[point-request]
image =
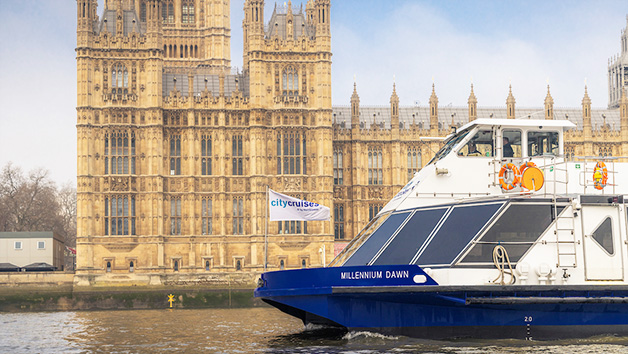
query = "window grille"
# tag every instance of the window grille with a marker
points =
(291, 153)
(120, 215)
(376, 174)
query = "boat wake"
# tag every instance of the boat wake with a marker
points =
(365, 335)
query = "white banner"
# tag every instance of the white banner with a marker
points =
(283, 207)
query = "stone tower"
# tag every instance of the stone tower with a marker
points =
(618, 71)
(175, 149)
(288, 64)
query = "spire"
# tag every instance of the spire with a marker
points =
(510, 104)
(393, 97)
(434, 112)
(549, 105)
(473, 105)
(394, 109)
(586, 110)
(355, 107)
(586, 99)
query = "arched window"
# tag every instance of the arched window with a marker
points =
(207, 216)
(238, 216)
(120, 215)
(119, 77)
(293, 155)
(120, 152)
(339, 222)
(290, 81)
(375, 172)
(176, 266)
(237, 153)
(282, 264)
(167, 12)
(338, 167)
(187, 11)
(414, 161)
(143, 12)
(206, 265)
(108, 267)
(175, 154)
(131, 267)
(206, 152)
(303, 263)
(238, 265)
(175, 216)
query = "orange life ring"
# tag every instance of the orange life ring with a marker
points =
(600, 175)
(516, 176)
(526, 165)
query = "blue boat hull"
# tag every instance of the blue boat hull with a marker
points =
(352, 298)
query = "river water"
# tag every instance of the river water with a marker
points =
(255, 330)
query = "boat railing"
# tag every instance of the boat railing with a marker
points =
(558, 175)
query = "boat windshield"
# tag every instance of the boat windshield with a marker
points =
(357, 241)
(449, 144)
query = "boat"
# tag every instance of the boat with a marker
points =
(501, 235)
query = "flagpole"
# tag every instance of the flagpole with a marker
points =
(266, 231)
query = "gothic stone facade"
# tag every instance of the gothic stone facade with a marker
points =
(176, 150)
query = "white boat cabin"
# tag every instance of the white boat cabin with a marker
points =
(501, 204)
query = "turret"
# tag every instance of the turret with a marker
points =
(323, 17)
(86, 19)
(394, 109)
(433, 112)
(252, 27)
(586, 110)
(549, 105)
(355, 111)
(510, 104)
(310, 12)
(473, 106)
(153, 17)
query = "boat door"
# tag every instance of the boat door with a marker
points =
(603, 259)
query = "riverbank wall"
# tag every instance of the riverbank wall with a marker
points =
(58, 291)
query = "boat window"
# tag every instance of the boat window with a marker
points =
(448, 145)
(358, 240)
(542, 143)
(511, 140)
(516, 229)
(411, 237)
(603, 235)
(460, 227)
(369, 249)
(480, 145)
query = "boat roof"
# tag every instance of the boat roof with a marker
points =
(562, 123)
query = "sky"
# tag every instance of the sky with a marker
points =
(452, 44)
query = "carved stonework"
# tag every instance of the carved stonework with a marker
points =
(292, 184)
(119, 184)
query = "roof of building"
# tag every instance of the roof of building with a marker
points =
(278, 24)
(31, 234)
(130, 22)
(458, 116)
(202, 79)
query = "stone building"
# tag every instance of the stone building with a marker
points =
(618, 71)
(176, 149)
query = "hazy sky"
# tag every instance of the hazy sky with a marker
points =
(453, 43)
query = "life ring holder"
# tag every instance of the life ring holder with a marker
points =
(516, 176)
(600, 175)
(526, 165)
(532, 178)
